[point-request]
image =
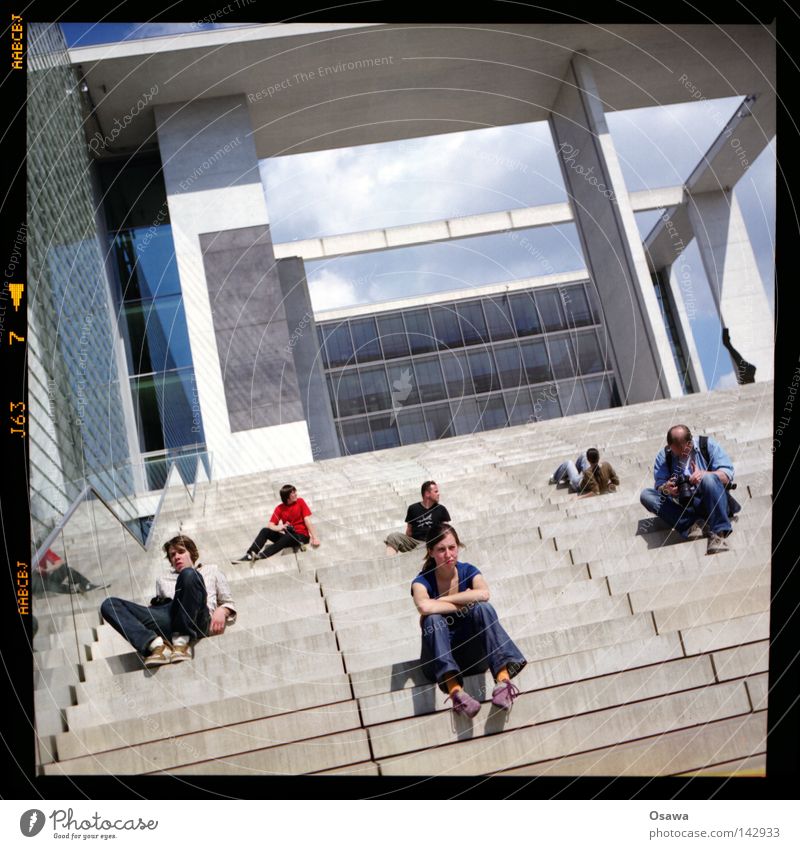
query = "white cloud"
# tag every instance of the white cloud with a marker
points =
(727, 381)
(329, 291)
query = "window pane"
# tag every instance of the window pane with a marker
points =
(456, 374)
(473, 326)
(412, 426)
(466, 418)
(519, 406)
(570, 394)
(576, 306)
(393, 336)
(321, 343)
(159, 338)
(545, 402)
(145, 262)
(483, 373)
(445, 327)
(600, 393)
(355, 436)
(429, 380)
(375, 388)
(549, 303)
(509, 366)
(498, 318)
(589, 356)
(439, 421)
(365, 340)
(524, 311)
(561, 357)
(166, 411)
(535, 360)
(347, 393)
(420, 332)
(338, 344)
(494, 412)
(384, 432)
(402, 383)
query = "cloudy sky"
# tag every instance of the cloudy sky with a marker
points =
(487, 170)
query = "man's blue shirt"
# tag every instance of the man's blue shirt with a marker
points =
(719, 461)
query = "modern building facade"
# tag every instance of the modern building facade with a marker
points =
(218, 351)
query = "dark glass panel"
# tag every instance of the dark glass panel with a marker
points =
(429, 379)
(484, 375)
(523, 309)
(366, 346)
(498, 318)
(473, 325)
(445, 327)
(420, 333)
(393, 336)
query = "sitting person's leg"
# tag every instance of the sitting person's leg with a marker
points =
(260, 541)
(189, 616)
(711, 501)
(138, 624)
(570, 470)
(668, 509)
(439, 664)
(300, 540)
(398, 542)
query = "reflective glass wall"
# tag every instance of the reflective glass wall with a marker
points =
(454, 368)
(151, 314)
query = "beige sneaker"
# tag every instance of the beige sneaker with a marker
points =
(159, 656)
(181, 652)
(717, 544)
(696, 531)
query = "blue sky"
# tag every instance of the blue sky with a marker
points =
(384, 185)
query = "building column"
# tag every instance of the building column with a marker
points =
(610, 240)
(734, 278)
(683, 310)
(246, 386)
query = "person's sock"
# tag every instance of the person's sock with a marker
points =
(502, 675)
(155, 643)
(180, 640)
(451, 682)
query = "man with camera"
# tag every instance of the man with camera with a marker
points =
(693, 476)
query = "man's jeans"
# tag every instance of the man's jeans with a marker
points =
(466, 642)
(574, 471)
(187, 614)
(289, 539)
(710, 502)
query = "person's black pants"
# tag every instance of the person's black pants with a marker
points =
(289, 539)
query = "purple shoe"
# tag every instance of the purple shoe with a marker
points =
(464, 703)
(504, 694)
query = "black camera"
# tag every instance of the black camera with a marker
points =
(685, 489)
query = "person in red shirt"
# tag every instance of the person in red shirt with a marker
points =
(289, 527)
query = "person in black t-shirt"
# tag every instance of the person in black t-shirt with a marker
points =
(420, 518)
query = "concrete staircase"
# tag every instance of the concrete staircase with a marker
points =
(645, 656)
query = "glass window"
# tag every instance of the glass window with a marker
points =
(376, 388)
(445, 327)
(600, 393)
(384, 432)
(347, 393)
(439, 421)
(420, 332)
(412, 426)
(549, 303)
(545, 402)
(457, 377)
(321, 343)
(366, 346)
(338, 344)
(157, 334)
(535, 360)
(393, 336)
(498, 318)
(576, 306)
(355, 436)
(570, 395)
(473, 326)
(145, 263)
(166, 410)
(493, 412)
(523, 309)
(133, 192)
(484, 375)
(519, 406)
(589, 357)
(561, 358)
(509, 366)
(429, 379)
(465, 416)
(402, 383)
